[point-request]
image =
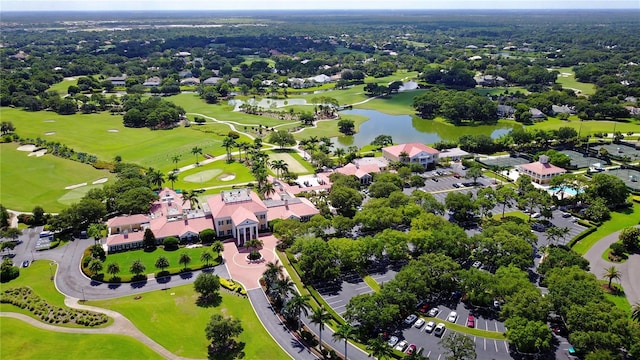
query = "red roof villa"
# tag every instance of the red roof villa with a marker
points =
(416, 153)
(541, 171)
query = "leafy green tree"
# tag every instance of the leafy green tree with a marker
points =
(8, 272)
(609, 188)
(528, 336)
(4, 217)
(474, 172)
(598, 210)
(222, 331)
(630, 237)
(458, 347)
(207, 236)
(345, 200)
(162, 263)
(282, 138)
(381, 141)
(184, 259)
(207, 284)
(462, 205)
(382, 189)
(346, 126)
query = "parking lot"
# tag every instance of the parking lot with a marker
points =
(338, 294)
(560, 221)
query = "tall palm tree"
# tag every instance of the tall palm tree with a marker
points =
(175, 160)
(253, 244)
(404, 157)
(191, 196)
(162, 263)
(284, 287)
(555, 233)
(196, 150)
(612, 273)
(268, 189)
(297, 305)
(184, 259)
(155, 177)
(274, 271)
(379, 349)
(320, 316)
(217, 247)
(280, 166)
(206, 256)
(172, 177)
(339, 152)
(635, 312)
(137, 267)
(228, 143)
(344, 332)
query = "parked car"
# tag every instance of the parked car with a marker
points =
(439, 330)
(477, 264)
(471, 321)
(418, 324)
(457, 176)
(435, 179)
(536, 215)
(496, 304)
(410, 319)
(456, 185)
(566, 215)
(401, 345)
(433, 312)
(430, 326)
(411, 349)
(25, 263)
(453, 316)
(392, 341)
(424, 308)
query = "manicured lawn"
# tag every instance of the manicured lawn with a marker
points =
(586, 127)
(126, 258)
(38, 277)
(105, 136)
(329, 128)
(568, 81)
(295, 162)
(396, 104)
(619, 221)
(172, 318)
(620, 300)
(28, 181)
(212, 175)
(23, 341)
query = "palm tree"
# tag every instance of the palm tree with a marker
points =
(175, 160)
(404, 157)
(155, 177)
(95, 266)
(195, 151)
(320, 316)
(284, 287)
(339, 152)
(113, 269)
(253, 244)
(217, 247)
(279, 166)
(137, 267)
(206, 256)
(162, 263)
(612, 273)
(274, 271)
(228, 143)
(191, 196)
(635, 312)
(556, 233)
(379, 349)
(184, 259)
(172, 177)
(268, 189)
(344, 332)
(297, 305)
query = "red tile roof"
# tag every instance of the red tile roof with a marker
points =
(412, 149)
(543, 168)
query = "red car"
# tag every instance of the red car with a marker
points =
(471, 321)
(456, 175)
(424, 308)
(411, 349)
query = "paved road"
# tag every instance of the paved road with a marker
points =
(629, 269)
(277, 329)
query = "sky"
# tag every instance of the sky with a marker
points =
(98, 5)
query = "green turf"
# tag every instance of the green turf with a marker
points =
(586, 127)
(619, 221)
(242, 174)
(126, 258)
(396, 104)
(38, 277)
(27, 181)
(23, 341)
(329, 128)
(568, 81)
(619, 299)
(172, 318)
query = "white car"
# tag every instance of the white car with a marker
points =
(433, 312)
(430, 326)
(439, 330)
(536, 215)
(453, 316)
(392, 341)
(402, 345)
(410, 319)
(418, 324)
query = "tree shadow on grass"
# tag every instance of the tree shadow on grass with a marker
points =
(235, 350)
(210, 300)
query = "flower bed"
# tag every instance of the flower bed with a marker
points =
(25, 298)
(233, 286)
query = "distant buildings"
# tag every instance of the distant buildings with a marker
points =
(413, 153)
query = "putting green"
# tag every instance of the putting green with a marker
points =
(76, 194)
(203, 176)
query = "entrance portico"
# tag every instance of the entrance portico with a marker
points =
(246, 231)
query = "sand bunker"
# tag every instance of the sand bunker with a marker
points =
(71, 187)
(28, 148)
(227, 177)
(101, 181)
(38, 153)
(49, 121)
(202, 176)
(50, 133)
(113, 130)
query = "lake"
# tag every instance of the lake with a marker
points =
(406, 129)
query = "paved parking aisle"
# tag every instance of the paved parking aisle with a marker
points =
(338, 294)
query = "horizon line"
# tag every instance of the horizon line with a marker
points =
(315, 9)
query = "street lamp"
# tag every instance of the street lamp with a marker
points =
(83, 298)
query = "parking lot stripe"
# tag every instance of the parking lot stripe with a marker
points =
(496, 344)
(485, 344)
(363, 287)
(334, 302)
(496, 327)
(506, 347)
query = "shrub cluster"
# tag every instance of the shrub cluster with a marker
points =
(233, 286)
(25, 298)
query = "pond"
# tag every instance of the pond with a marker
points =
(406, 129)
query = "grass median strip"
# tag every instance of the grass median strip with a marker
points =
(469, 331)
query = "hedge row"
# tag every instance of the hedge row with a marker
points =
(25, 298)
(233, 286)
(582, 235)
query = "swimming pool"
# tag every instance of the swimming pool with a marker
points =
(567, 190)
